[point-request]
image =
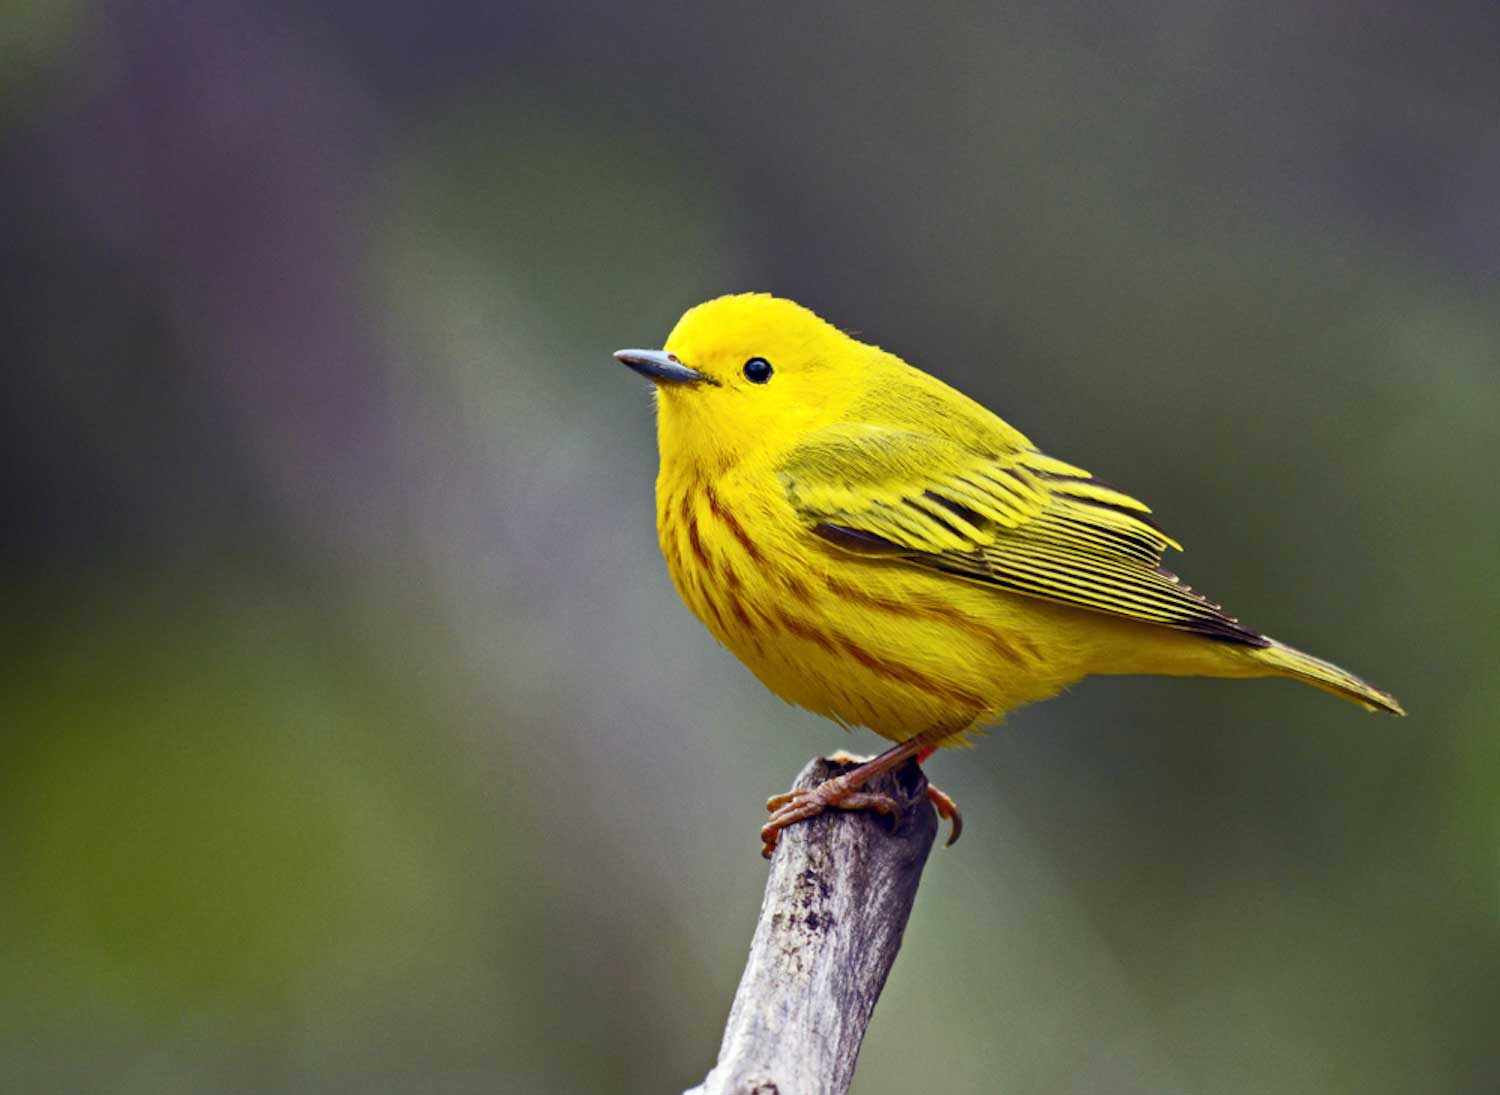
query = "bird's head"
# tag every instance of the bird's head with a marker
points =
(749, 373)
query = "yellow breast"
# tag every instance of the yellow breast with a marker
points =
(864, 642)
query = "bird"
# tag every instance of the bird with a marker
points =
(880, 549)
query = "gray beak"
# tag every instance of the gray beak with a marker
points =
(660, 367)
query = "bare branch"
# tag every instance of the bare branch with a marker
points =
(836, 904)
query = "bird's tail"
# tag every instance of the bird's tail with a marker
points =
(1287, 661)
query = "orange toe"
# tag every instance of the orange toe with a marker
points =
(946, 809)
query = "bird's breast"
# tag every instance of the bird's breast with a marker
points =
(724, 555)
(863, 642)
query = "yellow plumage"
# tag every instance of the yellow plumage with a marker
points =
(880, 549)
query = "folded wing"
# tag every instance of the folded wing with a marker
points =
(1003, 515)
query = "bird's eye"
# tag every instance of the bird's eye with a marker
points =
(757, 370)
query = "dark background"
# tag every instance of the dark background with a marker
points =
(353, 736)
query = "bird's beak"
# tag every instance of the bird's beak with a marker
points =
(660, 367)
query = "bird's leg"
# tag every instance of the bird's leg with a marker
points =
(843, 792)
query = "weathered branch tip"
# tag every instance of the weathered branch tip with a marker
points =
(837, 900)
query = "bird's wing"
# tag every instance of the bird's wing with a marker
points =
(1008, 516)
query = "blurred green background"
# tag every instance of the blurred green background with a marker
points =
(353, 736)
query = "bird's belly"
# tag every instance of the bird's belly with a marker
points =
(864, 642)
(898, 676)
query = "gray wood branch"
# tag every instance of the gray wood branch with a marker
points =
(836, 904)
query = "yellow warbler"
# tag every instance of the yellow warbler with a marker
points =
(880, 549)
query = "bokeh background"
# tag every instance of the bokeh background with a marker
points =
(353, 736)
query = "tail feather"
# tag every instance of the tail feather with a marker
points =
(1290, 662)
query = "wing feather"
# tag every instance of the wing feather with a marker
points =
(1003, 515)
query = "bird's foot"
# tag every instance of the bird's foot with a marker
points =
(946, 809)
(941, 801)
(843, 792)
(838, 793)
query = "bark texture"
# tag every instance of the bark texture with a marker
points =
(840, 891)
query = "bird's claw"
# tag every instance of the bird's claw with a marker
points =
(843, 793)
(946, 809)
(831, 794)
